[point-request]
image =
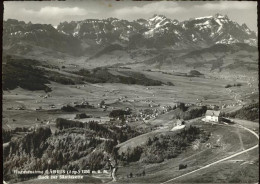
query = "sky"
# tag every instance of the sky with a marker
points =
(54, 12)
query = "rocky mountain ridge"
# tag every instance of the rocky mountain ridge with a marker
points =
(158, 32)
(161, 31)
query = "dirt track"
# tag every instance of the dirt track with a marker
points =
(221, 160)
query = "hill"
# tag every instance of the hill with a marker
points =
(249, 112)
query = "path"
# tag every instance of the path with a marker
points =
(221, 160)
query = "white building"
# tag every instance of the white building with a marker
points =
(179, 124)
(212, 116)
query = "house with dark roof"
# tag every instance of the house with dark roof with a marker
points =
(212, 116)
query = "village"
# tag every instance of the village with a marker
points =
(130, 92)
(201, 117)
(145, 115)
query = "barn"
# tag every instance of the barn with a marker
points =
(212, 116)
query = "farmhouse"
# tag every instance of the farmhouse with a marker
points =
(179, 122)
(212, 116)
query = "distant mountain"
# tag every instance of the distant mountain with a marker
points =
(160, 32)
(228, 59)
(219, 29)
(21, 37)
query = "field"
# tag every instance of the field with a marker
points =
(224, 141)
(188, 90)
(245, 170)
(23, 108)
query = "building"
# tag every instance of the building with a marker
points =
(179, 122)
(212, 116)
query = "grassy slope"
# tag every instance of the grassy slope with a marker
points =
(230, 143)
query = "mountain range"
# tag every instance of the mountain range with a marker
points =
(159, 32)
(213, 45)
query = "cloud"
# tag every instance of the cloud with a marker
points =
(224, 5)
(51, 11)
(160, 7)
(54, 14)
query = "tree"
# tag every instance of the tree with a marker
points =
(149, 142)
(102, 103)
(131, 175)
(143, 173)
(182, 107)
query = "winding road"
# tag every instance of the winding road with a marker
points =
(221, 160)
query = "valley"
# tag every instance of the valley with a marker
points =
(44, 108)
(116, 101)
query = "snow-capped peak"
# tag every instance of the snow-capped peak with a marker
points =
(220, 19)
(207, 17)
(216, 16)
(158, 21)
(219, 16)
(157, 18)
